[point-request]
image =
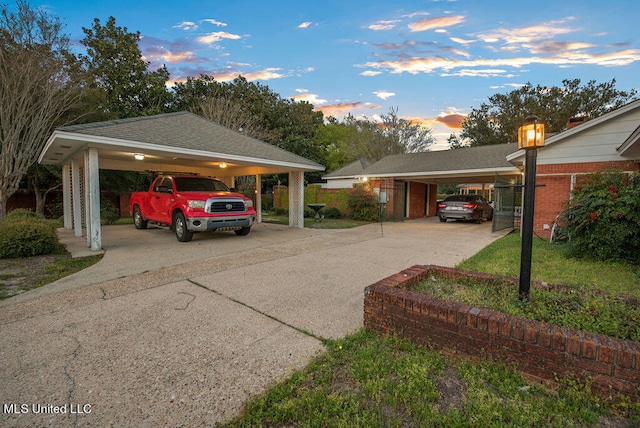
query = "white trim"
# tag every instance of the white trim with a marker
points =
(107, 142)
(95, 238)
(66, 194)
(440, 173)
(76, 202)
(258, 207)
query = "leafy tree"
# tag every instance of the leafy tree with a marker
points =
(497, 121)
(43, 179)
(37, 88)
(114, 59)
(332, 139)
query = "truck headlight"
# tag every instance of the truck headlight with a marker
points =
(196, 204)
(248, 204)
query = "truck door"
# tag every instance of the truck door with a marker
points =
(161, 201)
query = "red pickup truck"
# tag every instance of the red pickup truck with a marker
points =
(189, 204)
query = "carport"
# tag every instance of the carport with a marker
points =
(171, 143)
(407, 183)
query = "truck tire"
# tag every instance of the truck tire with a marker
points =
(244, 231)
(180, 227)
(138, 221)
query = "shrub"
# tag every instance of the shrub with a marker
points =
(21, 214)
(332, 212)
(108, 212)
(363, 204)
(309, 213)
(267, 202)
(26, 237)
(603, 217)
(280, 211)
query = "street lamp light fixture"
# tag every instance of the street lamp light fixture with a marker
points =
(531, 134)
(530, 138)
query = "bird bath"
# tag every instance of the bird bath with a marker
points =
(316, 208)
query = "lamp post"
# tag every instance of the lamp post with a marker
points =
(530, 138)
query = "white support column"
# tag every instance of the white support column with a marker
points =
(87, 205)
(66, 197)
(296, 199)
(94, 200)
(76, 195)
(258, 206)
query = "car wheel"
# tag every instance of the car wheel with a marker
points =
(180, 226)
(243, 232)
(443, 219)
(138, 221)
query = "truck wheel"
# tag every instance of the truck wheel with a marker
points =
(138, 221)
(180, 226)
(244, 231)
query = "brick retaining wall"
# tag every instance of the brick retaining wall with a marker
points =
(542, 351)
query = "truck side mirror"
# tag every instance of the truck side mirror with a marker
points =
(165, 189)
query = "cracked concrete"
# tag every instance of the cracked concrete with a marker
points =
(162, 333)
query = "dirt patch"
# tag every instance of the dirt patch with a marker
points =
(23, 274)
(452, 390)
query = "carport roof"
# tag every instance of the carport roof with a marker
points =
(469, 163)
(180, 140)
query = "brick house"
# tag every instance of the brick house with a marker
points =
(407, 184)
(610, 140)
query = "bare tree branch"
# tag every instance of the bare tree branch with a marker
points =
(35, 90)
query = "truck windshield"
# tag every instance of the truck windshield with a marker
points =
(198, 184)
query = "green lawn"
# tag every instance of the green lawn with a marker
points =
(550, 264)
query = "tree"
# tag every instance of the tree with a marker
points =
(259, 111)
(229, 113)
(331, 138)
(373, 140)
(114, 60)
(454, 142)
(36, 89)
(497, 122)
(413, 138)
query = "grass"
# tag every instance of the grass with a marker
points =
(374, 381)
(550, 264)
(588, 310)
(365, 380)
(20, 275)
(23, 274)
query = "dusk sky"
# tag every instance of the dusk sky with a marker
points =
(433, 60)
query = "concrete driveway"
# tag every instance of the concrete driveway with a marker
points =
(163, 333)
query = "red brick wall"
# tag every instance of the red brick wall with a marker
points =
(541, 351)
(433, 199)
(551, 199)
(417, 200)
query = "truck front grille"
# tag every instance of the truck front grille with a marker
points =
(228, 206)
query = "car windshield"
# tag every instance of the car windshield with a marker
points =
(199, 184)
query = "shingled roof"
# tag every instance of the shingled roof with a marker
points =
(464, 159)
(351, 170)
(178, 133)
